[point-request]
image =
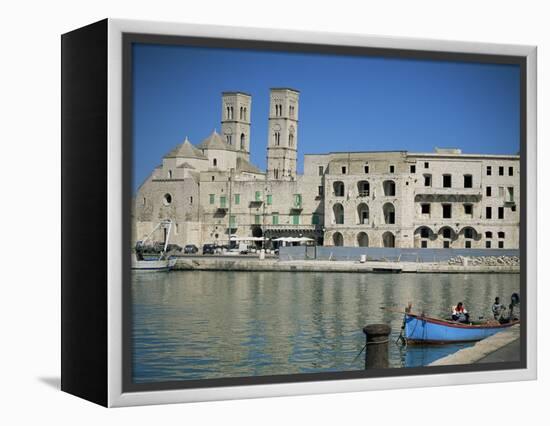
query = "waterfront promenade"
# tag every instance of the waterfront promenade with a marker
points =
(252, 263)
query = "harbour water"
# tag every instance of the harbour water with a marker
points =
(213, 324)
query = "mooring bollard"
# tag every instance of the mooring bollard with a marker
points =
(376, 353)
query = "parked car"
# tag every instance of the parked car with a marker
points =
(208, 249)
(173, 248)
(190, 249)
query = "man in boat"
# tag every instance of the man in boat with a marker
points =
(497, 308)
(460, 314)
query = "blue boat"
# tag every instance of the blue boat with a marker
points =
(425, 330)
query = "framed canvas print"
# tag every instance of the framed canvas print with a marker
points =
(251, 212)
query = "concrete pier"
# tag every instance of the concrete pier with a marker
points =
(500, 347)
(244, 263)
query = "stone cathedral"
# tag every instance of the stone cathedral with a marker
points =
(211, 191)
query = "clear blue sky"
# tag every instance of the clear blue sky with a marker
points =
(347, 103)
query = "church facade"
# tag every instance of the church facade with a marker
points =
(211, 191)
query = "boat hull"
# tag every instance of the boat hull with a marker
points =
(427, 330)
(163, 265)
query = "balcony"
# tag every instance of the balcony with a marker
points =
(430, 190)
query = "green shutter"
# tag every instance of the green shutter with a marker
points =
(297, 200)
(269, 199)
(257, 219)
(237, 198)
(232, 221)
(222, 202)
(212, 198)
(258, 196)
(315, 219)
(275, 219)
(296, 219)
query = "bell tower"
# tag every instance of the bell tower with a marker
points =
(282, 145)
(235, 123)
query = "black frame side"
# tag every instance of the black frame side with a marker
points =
(84, 212)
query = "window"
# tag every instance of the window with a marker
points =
(297, 200)
(212, 198)
(237, 198)
(315, 219)
(344, 170)
(215, 162)
(510, 171)
(447, 211)
(363, 188)
(510, 194)
(275, 218)
(487, 244)
(242, 141)
(513, 208)
(191, 200)
(321, 170)
(291, 140)
(427, 180)
(425, 208)
(144, 201)
(468, 244)
(389, 188)
(424, 233)
(468, 181)
(501, 212)
(167, 199)
(169, 174)
(257, 219)
(488, 234)
(488, 212)
(489, 170)
(488, 191)
(501, 244)
(366, 168)
(276, 173)
(413, 168)
(501, 171)
(446, 244)
(213, 178)
(501, 234)
(447, 233)
(222, 201)
(269, 199)
(501, 192)
(424, 244)
(295, 219)
(320, 190)
(232, 221)
(447, 181)
(468, 209)
(392, 169)
(468, 233)
(338, 189)
(426, 165)
(258, 196)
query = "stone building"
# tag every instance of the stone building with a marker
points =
(211, 191)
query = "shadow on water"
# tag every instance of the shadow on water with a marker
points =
(195, 325)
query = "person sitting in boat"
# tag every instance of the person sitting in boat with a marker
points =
(460, 314)
(497, 308)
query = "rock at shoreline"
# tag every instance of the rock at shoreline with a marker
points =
(484, 260)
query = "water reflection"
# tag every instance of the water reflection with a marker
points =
(196, 325)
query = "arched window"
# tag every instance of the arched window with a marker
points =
(338, 211)
(244, 114)
(228, 139)
(215, 162)
(291, 139)
(488, 234)
(338, 239)
(389, 188)
(363, 214)
(338, 188)
(362, 239)
(363, 188)
(167, 199)
(242, 141)
(227, 113)
(501, 234)
(388, 239)
(169, 174)
(389, 213)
